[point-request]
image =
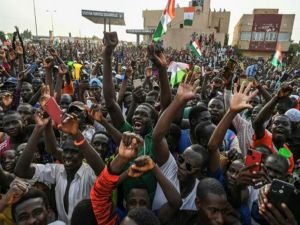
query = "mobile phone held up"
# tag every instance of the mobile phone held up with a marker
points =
(283, 192)
(53, 110)
(253, 157)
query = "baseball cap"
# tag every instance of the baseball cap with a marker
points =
(11, 80)
(95, 82)
(76, 104)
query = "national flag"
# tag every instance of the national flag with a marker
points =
(177, 70)
(277, 59)
(188, 16)
(167, 16)
(196, 48)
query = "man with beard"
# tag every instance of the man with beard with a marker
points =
(73, 178)
(280, 129)
(144, 116)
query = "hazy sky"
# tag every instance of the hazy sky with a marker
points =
(67, 16)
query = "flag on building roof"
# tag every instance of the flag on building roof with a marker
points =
(196, 48)
(277, 59)
(177, 70)
(188, 16)
(167, 16)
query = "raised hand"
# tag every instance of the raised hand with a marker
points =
(130, 145)
(186, 91)
(62, 69)
(240, 99)
(110, 41)
(19, 49)
(273, 215)
(139, 95)
(53, 52)
(41, 119)
(17, 189)
(157, 57)
(48, 63)
(148, 72)
(128, 72)
(248, 178)
(95, 113)
(7, 99)
(69, 124)
(285, 91)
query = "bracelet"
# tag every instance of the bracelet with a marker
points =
(78, 143)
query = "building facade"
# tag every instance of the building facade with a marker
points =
(205, 21)
(259, 34)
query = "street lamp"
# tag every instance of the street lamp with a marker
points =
(36, 31)
(51, 13)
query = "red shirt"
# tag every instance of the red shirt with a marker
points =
(101, 198)
(267, 141)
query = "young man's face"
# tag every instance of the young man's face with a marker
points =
(281, 128)
(8, 160)
(142, 120)
(12, 124)
(275, 168)
(26, 112)
(213, 208)
(31, 212)
(26, 92)
(189, 165)
(216, 109)
(72, 159)
(100, 143)
(137, 198)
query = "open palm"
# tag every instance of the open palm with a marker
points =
(186, 91)
(240, 99)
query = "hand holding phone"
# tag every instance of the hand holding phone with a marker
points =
(54, 111)
(254, 157)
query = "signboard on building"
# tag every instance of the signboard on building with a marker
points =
(265, 32)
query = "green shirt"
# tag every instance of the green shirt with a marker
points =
(147, 181)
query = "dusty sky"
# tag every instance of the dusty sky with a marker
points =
(67, 16)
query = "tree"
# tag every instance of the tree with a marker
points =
(95, 38)
(26, 34)
(2, 36)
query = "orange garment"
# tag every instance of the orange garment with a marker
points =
(68, 89)
(267, 141)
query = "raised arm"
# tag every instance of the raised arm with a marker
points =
(96, 114)
(239, 102)
(159, 60)
(48, 65)
(184, 94)
(102, 190)
(62, 70)
(266, 112)
(23, 168)
(70, 125)
(110, 41)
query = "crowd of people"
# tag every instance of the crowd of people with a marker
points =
(97, 135)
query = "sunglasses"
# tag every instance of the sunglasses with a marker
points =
(189, 167)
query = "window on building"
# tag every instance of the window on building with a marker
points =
(245, 36)
(284, 36)
(258, 36)
(271, 36)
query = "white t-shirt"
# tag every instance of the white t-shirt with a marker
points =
(169, 169)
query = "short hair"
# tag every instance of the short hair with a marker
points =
(203, 152)
(143, 216)
(83, 214)
(175, 131)
(280, 159)
(32, 193)
(154, 114)
(218, 98)
(209, 186)
(101, 132)
(12, 112)
(196, 110)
